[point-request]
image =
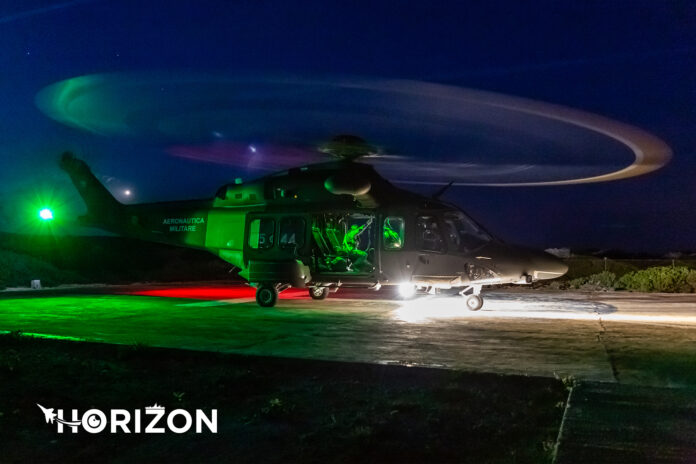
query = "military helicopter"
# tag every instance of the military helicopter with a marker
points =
(323, 227)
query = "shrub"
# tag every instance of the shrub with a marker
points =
(604, 280)
(666, 279)
(691, 279)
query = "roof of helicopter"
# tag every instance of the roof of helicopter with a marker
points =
(303, 185)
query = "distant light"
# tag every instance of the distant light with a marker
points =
(238, 181)
(127, 192)
(46, 214)
(407, 290)
(252, 148)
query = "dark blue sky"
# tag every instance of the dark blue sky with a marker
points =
(631, 61)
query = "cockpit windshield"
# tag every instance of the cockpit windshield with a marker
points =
(463, 232)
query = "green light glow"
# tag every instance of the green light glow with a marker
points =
(46, 214)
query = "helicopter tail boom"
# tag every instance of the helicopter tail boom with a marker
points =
(102, 208)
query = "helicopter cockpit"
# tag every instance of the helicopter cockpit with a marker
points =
(345, 242)
(449, 231)
(463, 233)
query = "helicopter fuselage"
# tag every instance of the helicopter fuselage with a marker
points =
(325, 226)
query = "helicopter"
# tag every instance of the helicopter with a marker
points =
(326, 226)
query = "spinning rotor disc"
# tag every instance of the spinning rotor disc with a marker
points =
(413, 132)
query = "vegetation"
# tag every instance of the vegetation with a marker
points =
(668, 279)
(604, 280)
(18, 270)
(583, 266)
(665, 279)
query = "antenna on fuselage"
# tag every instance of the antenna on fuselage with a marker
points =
(440, 192)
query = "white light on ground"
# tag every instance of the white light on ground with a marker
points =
(407, 290)
(430, 309)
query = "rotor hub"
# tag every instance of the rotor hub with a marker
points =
(348, 147)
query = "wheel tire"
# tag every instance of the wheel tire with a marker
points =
(319, 293)
(266, 295)
(474, 302)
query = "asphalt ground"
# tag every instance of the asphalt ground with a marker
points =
(630, 338)
(629, 357)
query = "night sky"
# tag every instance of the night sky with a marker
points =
(634, 62)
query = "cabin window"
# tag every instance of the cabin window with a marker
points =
(429, 234)
(393, 233)
(345, 242)
(292, 232)
(261, 233)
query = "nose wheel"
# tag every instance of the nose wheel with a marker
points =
(474, 302)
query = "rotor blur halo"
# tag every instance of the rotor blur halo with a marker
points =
(302, 113)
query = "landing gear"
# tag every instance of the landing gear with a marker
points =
(319, 293)
(474, 301)
(266, 295)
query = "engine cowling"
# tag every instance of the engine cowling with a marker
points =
(343, 184)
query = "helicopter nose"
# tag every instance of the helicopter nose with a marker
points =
(547, 266)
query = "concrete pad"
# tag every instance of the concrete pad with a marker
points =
(614, 423)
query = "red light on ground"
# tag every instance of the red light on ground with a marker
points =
(217, 293)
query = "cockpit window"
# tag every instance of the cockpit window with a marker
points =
(429, 234)
(464, 233)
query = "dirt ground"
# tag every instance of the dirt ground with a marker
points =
(270, 409)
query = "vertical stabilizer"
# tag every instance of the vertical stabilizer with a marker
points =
(102, 207)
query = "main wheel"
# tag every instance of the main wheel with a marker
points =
(266, 295)
(319, 293)
(474, 302)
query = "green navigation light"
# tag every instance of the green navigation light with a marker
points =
(46, 214)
